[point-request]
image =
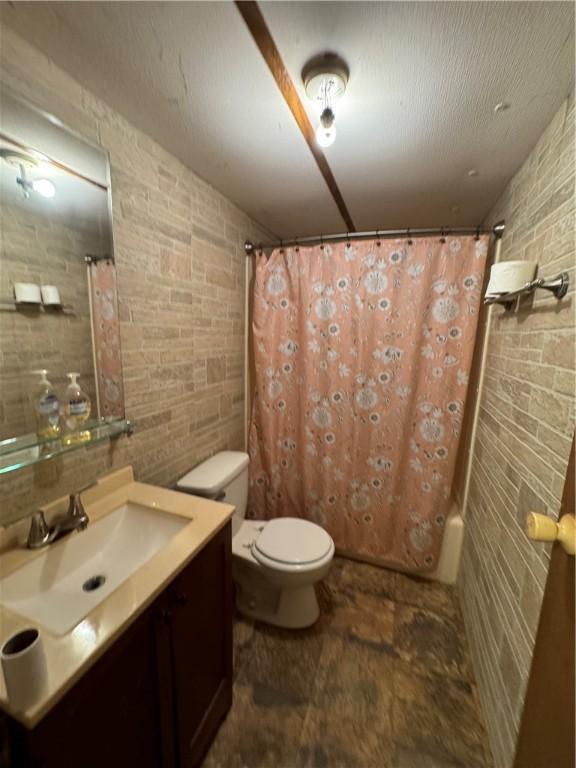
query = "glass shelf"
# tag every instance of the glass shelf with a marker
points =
(19, 452)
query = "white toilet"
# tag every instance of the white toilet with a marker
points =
(275, 563)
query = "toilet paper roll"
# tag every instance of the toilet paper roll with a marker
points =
(24, 667)
(508, 276)
(27, 293)
(50, 296)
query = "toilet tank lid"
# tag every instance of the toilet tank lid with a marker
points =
(216, 472)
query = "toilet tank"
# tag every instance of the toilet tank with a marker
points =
(223, 477)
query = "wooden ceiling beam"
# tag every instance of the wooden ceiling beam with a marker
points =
(258, 28)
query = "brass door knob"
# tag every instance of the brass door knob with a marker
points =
(542, 528)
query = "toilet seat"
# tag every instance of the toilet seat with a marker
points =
(291, 543)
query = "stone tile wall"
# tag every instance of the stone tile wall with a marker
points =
(181, 267)
(524, 435)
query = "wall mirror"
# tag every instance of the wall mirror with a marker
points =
(58, 298)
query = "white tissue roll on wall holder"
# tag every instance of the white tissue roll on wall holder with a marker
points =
(510, 276)
(557, 286)
(27, 293)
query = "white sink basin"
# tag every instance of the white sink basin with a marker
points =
(52, 589)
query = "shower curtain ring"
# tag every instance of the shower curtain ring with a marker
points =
(347, 239)
(477, 235)
(281, 245)
(442, 238)
(321, 242)
(409, 236)
(378, 243)
(296, 247)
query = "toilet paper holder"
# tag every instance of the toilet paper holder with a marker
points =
(558, 286)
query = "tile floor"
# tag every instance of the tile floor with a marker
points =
(383, 680)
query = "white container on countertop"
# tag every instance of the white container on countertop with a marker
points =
(24, 667)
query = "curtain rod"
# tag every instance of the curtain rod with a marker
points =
(497, 230)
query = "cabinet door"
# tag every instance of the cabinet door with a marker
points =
(112, 716)
(202, 647)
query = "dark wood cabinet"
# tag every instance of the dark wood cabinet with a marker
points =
(158, 694)
(201, 640)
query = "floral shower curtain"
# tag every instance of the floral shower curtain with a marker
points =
(362, 355)
(106, 333)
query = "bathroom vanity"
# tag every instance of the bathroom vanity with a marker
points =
(146, 678)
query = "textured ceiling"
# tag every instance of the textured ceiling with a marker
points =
(418, 113)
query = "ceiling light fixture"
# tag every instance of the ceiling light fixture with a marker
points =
(325, 79)
(24, 163)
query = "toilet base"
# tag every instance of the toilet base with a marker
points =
(292, 609)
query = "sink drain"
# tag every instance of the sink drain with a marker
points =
(94, 582)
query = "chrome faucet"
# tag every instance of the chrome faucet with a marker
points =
(41, 534)
(76, 517)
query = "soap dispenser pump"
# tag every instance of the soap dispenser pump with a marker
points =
(76, 411)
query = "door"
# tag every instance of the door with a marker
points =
(546, 738)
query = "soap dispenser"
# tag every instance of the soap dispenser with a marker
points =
(46, 408)
(76, 411)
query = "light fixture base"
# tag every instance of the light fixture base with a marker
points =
(327, 70)
(316, 85)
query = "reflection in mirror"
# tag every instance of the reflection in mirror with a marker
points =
(58, 305)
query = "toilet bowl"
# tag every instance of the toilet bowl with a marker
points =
(275, 563)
